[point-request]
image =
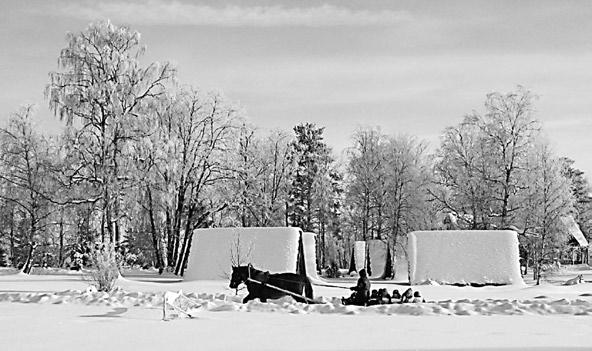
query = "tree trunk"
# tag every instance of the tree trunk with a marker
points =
(177, 226)
(287, 214)
(29, 261)
(61, 249)
(394, 258)
(186, 238)
(12, 240)
(186, 254)
(155, 239)
(506, 199)
(169, 237)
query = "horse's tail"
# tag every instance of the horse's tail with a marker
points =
(308, 288)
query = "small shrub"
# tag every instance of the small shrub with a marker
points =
(105, 271)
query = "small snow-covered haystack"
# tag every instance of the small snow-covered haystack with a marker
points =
(310, 257)
(464, 257)
(275, 249)
(360, 255)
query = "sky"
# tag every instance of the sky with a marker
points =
(409, 67)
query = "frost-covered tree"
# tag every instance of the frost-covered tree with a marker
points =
(460, 172)
(259, 189)
(549, 198)
(102, 90)
(314, 202)
(482, 162)
(186, 155)
(309, 153)
(387, 188)
(408, 176)
(509, 128)
(366, 185)
(582, 191)
(25, 186)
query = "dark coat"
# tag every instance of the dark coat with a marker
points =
(362, 288)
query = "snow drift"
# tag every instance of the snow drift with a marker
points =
(464, 257)
(270, 249)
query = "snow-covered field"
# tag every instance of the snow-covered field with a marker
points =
(57, 311)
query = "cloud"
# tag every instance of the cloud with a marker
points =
(161, 12)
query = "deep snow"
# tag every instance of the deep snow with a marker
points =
(56, 312)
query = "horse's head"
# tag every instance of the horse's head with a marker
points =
(239, 275)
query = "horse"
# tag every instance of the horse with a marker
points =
(291, 282)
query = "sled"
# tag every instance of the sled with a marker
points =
(176, 304)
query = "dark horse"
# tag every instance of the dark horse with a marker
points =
(260, 289)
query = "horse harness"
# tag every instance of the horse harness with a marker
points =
(265, 283)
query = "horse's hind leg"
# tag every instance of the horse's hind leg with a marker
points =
(248, 298)
(299, 299)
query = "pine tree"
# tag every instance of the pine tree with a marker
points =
(310, 153)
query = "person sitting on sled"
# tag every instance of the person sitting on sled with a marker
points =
(407, 296)
(417, 297)
(374, 294)
(379, 297)
(385, 298)
(361, 293)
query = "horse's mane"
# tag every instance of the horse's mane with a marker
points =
(248, 269)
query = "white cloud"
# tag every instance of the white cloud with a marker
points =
(161, 12)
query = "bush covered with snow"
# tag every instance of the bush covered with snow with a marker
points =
(105, 270)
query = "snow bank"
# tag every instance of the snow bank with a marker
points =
(229, 302)
(464, 257)
(269, 249)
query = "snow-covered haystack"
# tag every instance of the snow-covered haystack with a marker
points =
(360, 255)
(464, 257)
(214, 251)
(310, 257)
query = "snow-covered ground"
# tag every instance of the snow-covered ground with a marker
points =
(56, 311)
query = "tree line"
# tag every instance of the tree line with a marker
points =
(143, 160)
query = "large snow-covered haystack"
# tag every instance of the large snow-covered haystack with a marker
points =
(464, 257)
(214, 250)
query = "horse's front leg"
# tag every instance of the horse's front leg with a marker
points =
(248, 298)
